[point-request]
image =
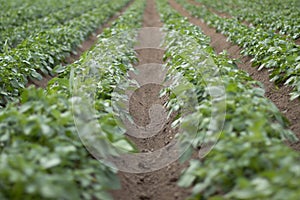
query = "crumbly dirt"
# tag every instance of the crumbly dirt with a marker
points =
(160, 184)
(85, 46)
(279, 95)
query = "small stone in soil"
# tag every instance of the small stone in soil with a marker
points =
(174, 179)
(142, 165)
(144, 197)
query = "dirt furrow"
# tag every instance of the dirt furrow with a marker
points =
(160, 184)
(279, 95)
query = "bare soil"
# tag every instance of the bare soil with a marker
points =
(160, 184)
(279, 95)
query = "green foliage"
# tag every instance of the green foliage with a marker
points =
(40, 53)
(17, 12)
(245, 169)
(60, 13)
(249, 161)
(281, 16)
(41, 155)
(269, 50)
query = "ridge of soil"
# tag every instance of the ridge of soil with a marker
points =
(279, 95)
(160, 184)
(83, 47)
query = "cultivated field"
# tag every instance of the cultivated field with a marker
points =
(149, 99)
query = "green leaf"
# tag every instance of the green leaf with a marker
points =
(50, 162)
(59, 69)
(36, 75)
(123, 145)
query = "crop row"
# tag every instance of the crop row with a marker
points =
(15, 13)
(269, 50)
(281, 16)
(249, 160)
(39, 54)
(12, 36)
(40, 152)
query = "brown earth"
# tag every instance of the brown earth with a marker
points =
(277, 94)
(85, 46)
(160, 184)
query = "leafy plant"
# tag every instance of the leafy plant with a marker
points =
(281, 16)
(61, 13)
(269, 50)
(41, 154)
(245, 169)
(39, 54)
(249, 160)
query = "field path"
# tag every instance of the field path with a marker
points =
(159, 184)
